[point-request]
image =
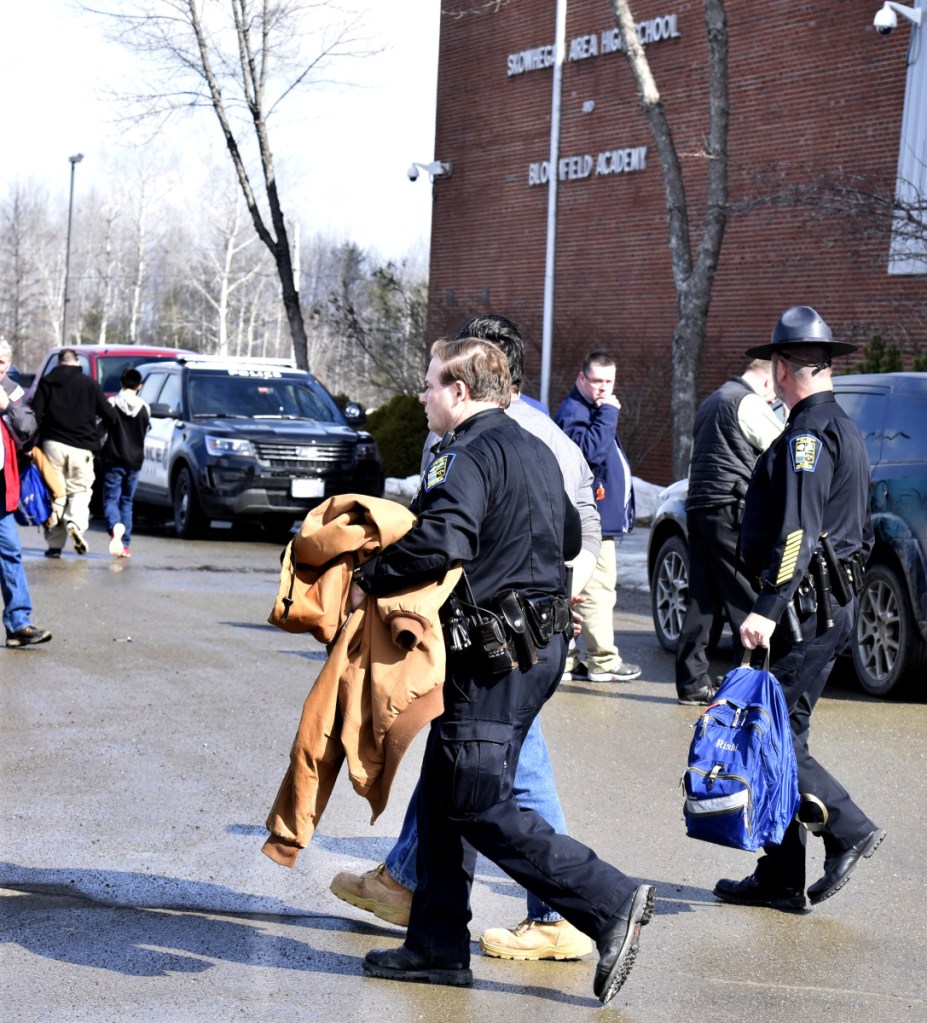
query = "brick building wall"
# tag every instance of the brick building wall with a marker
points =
(816, 95)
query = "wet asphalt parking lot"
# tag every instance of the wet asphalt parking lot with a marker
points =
(142, 748)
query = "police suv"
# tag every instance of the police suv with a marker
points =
(239, 439)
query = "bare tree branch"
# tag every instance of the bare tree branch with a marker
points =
(242, 58)
(866, 212)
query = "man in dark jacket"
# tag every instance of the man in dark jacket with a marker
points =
(66, 405)
(733, 425)
(589, 417)
(123, 454)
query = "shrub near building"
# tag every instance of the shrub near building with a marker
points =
(399, 427)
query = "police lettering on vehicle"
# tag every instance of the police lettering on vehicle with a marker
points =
(805, 449)
(438, 472)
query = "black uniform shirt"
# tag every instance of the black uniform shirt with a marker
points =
(493, 499)
(814, 478)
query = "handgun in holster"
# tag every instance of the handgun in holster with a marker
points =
(514, 615)
(838, 573)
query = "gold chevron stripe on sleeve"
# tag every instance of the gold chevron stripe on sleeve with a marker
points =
(789, 557)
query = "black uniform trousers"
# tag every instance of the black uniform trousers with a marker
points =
(465, 805)
(802, 669)
(715, 585)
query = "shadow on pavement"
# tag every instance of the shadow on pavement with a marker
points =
(54, 919)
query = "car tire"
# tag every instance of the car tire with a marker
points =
(189, 520)
(886, 645)
(669, 591)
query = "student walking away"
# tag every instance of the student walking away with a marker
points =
(589, 417)
(17, 424)
(493, 501)
(67, 404)
(733, 426)
(386, 891)
(805, 539)
(122, 456)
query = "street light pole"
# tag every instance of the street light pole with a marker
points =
(67, 255)
(550, 259)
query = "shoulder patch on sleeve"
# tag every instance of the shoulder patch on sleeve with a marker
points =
(438, 472)
(805, 449)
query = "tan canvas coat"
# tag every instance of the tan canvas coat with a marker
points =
(382, 681)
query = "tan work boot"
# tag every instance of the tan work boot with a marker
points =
(376, 892)
(534, 939)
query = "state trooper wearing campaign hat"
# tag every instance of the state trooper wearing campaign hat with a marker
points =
(805, 538)
(800, 326)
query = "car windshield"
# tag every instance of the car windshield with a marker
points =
(111, 367)
(214, 394)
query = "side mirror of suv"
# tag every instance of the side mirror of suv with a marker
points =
(159, 410)
(354, 414)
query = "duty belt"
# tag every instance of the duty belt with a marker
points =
(509, 632)
(826, 575)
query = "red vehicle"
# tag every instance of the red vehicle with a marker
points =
(106, 363)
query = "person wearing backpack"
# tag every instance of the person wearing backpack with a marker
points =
(123, 454)
(17, 603)
(805, 537)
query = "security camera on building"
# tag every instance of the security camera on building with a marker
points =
(886, 19)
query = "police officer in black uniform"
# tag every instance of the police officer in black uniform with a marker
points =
(805, 536)
(492, 499)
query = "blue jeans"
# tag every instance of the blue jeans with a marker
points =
(534, 788)
(119, 486)
(17, 605)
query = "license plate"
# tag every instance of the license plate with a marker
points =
(307, 488)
